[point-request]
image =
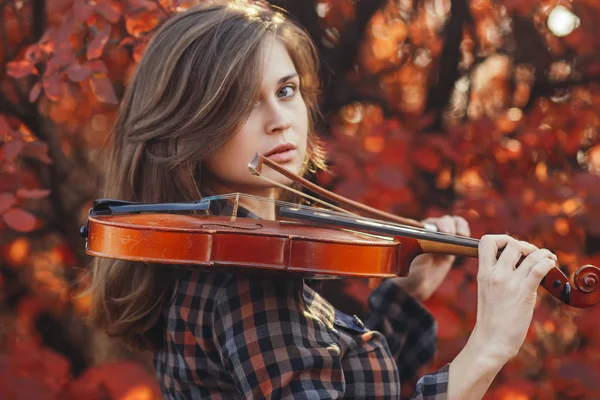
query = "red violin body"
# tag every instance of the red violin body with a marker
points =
(219, 242)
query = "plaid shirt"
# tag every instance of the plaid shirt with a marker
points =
(231, 336)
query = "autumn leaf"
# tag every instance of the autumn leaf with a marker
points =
(82, 11)
(98, 66)
(37, 150)
(64, 31)
(140, 23)
(35, 92)
(46, 43)
(11, 150)
(78, 72)
(7, 200)
(52, 87)
(20, 69)
(64, 55)
(103, 90)
(19, 220)
(110, 10)
(142, 5)
(96, 46)
(32, 193)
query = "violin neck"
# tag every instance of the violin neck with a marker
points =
(465, 249)
(430, 242)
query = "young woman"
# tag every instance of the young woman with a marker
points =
(217, 84)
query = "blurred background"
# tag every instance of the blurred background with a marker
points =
(485, 108)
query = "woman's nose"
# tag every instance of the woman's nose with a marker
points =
(278, 119)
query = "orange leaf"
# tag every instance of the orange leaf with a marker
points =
(19, 220)
(46, 44)
(7, 200)
(64, 56)
(110, 10)
(143, 5)
(32, 193)
(82, 11)
(98, 66)
(12, 149)
(141, 23)
(20, 69)
(96, 46)
(103, 90)
(35, 91)
(78, 72)
(52, 87)
(37, 150)
(64, 32)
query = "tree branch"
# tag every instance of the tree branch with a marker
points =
(439, 94)
(38, 20)
(545, 88)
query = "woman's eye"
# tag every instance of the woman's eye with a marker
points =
(287, 91)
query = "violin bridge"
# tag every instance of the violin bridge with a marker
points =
(236, 204)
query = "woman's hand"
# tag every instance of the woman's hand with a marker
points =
(506, 299)
(427, 271)
(506, 294)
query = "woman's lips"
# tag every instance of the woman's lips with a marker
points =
(282, 153)
(283, 156)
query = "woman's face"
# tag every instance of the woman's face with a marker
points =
(277, 128)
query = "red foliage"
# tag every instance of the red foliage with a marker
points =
(515, 149)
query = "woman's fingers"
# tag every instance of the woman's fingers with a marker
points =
(446, 224)
(488, 249)
(512, 254)
(462, 226)
(538, 272)
(531, 260)
(452, 224)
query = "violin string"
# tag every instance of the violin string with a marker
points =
(337, 212)
(280, 203)
(333, 213)
(393, 224)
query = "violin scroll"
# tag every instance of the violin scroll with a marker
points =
(582, 293)
(586, 278)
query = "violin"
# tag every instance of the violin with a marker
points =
(304, 241)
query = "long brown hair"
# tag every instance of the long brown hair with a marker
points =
(191, 91)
